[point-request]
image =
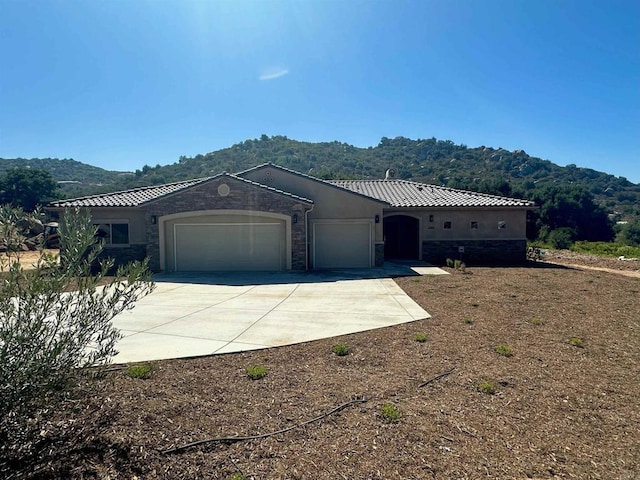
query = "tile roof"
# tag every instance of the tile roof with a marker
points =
(139, 196)
(406, 193)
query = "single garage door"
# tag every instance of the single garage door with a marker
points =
(342, 245)
(229, 247)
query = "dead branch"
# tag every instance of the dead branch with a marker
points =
(264, 435)
(437, 377)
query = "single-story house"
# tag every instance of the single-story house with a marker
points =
(272, 218)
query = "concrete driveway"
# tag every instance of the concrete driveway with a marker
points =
(202, 314)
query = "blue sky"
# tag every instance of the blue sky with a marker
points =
(120, 84)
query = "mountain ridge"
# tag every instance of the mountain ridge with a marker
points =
(433, 161)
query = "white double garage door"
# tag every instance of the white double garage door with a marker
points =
(263, 246)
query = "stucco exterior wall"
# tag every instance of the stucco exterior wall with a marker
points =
(486, 244)
(330, 202)
(134, 217)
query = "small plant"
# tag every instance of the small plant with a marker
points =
(390, 413)
(450, 263)
(456, 264)
(416, 280)
(256, 372)
(237, 476)
(487, 387)
(420, 337)
(577, 342)
(468, 321)
(341, 349)
(536, 321)
(140, 370)
(504, 350)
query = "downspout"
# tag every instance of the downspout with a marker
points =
(306, 235)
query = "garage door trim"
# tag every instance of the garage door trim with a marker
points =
(199, 213)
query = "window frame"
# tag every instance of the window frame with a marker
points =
(97, 223)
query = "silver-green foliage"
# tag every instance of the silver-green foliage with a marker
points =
(55, 320)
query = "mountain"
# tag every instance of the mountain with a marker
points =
(441, 162)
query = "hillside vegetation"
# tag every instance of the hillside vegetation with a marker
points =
(578, 203)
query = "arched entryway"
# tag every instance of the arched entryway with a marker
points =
(401, 237)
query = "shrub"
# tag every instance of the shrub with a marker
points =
(420, 337)
(56, 323)
(390, 413)
(256, 372)
(450, 263)
(487, 387)
(577, 342)
(340, 349)
(561, 238)
(504, 350)
(140, 370)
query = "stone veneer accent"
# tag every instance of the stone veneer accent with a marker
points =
(124, 255)
(242, 196)
(379, 254)
(476, 252)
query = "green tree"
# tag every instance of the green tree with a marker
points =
(574, 210)
(629, 234)
(55, 323)
(27, 188)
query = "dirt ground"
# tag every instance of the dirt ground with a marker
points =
(559, 410)
(30, 258)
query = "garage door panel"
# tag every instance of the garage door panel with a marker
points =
(224, 247)
(342, 245)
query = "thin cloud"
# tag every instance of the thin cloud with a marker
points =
(274, 73)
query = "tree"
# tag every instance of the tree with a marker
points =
(574, 210)
(27, 188)
(55, 320)
(629, 234)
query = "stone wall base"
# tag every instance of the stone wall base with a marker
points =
(124, 255)
(476, 252)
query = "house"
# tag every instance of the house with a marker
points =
(271, 218)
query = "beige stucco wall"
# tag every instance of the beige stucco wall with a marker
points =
(329, 202)
(135, 218)
(461, 218)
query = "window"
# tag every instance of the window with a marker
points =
(502, 225)
(447, 225)
(113, 233)
(474, 225)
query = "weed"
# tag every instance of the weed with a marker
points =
(487, 387)
(504, 350)
(420, 337)
(390, 413)
(237, 476)
(256, 372)
(536, 321)
(416, 280)
(140, 370)
(341, 349)
(449, 262)
(577, 342)
(456, 264)
(468, 321)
